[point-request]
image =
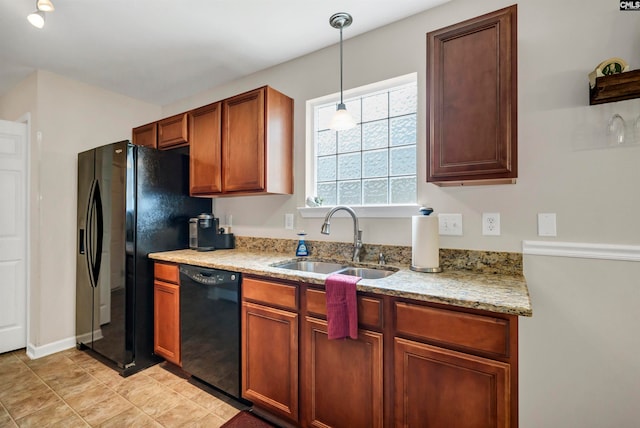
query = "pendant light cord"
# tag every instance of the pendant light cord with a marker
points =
(341, 101)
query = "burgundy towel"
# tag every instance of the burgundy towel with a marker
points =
(342, 308)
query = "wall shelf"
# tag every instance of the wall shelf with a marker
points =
(615, 87)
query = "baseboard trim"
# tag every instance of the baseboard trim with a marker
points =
(35, 352)
(628, 253)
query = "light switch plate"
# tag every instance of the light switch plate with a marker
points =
(450, 224)
(288, 221)
(547, 224)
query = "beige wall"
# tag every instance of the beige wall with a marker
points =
(71, 117)
(579, 364)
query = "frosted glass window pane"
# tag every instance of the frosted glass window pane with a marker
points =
(375, 135)
(403, 101)
(375, 107)
(326, 143)
(327, 168)
(349, 166)
(349, 140)
(324, 116)
(349, 193)
(375, 164)
(403, 160)
(403, 190)
(403, 130)
(375, 191)
(327, 191)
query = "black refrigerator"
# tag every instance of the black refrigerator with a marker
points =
(132, 201)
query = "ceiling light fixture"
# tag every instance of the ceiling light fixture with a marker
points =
(341, 119)
(45, 6)
(36, 19)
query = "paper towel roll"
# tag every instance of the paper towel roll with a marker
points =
(425, 249)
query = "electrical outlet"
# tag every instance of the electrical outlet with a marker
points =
(491, 224)
(450, 224)
(288, 221)
(547, 224)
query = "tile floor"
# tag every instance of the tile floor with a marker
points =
(72, 389)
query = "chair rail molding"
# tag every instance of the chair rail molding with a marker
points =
(629, 253)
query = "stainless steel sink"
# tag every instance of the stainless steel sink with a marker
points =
(311, 266)
(332, 267)
(366, 273)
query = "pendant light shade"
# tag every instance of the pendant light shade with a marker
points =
(36, 19)
(45, 6)
(341, 119)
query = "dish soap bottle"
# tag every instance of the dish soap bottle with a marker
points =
(302, 251)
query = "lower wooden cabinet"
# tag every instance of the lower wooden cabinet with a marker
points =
(414, 364)
(270, 350)
(166, 312)
(343, 379)
(437, 387)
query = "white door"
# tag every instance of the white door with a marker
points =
(13, 236)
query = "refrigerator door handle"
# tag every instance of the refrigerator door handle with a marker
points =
(94, 235)
(89, 233)
(96, 254)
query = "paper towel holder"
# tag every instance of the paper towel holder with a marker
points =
(425, 211)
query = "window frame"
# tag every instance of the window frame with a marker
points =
(372, 211)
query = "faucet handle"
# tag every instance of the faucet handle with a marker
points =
(381, 259)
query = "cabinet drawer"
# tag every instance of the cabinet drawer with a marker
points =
(369, 308)
(271, 293)
(460, 330)
(172, 131)
(167, 272)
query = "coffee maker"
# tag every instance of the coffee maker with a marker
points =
(205, 234)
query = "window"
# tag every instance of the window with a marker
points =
(375, 162)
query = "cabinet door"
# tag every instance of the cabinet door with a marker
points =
(166, 321)
(343, 378)
(172, 131)
(243, 141)
(205, 150)
(270, 359)
(472, 101)
(436, 387)
(146, 135)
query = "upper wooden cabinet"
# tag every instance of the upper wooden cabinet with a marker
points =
(205, 134)
(173, 131)
(472, 101)
(243, 145)
(146, 135)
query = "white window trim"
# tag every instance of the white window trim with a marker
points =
(364, 211)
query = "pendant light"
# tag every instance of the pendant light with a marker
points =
(36, 18)
(341, 119)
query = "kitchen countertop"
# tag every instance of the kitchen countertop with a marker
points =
(495, 292)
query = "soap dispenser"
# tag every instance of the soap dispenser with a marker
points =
(302, 250)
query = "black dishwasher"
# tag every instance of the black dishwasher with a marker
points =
(210, 326)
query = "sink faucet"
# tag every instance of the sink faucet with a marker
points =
(357, 233)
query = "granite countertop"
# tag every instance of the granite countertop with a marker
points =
(496, 292)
